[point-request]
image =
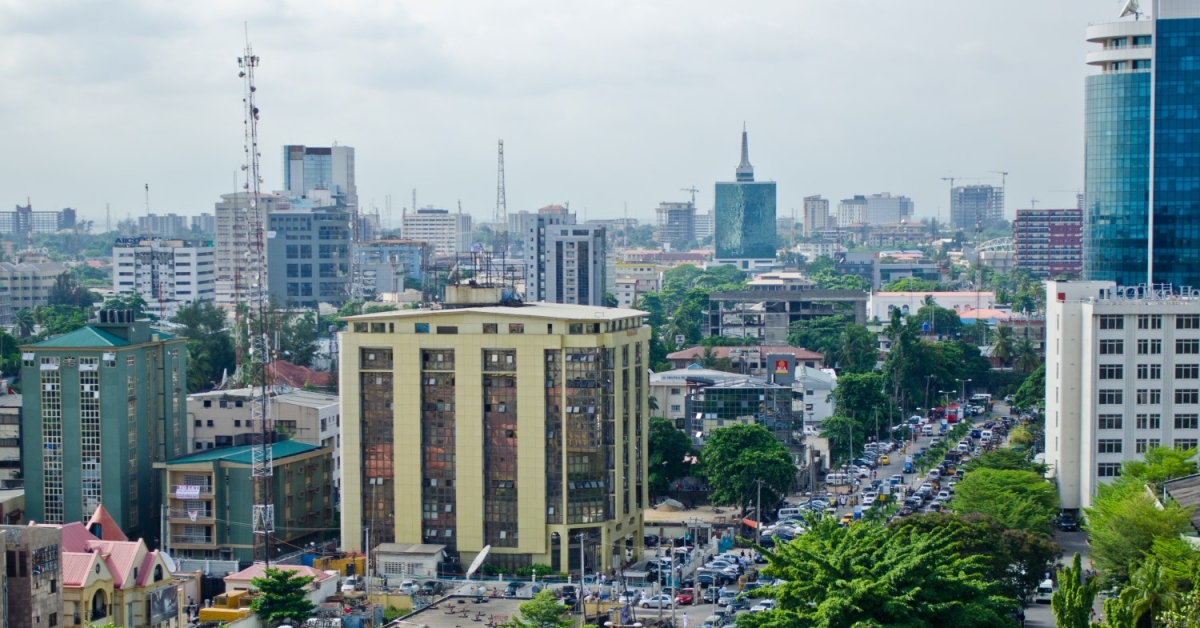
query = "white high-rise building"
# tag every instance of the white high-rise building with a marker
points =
(235, 227)
(1122, 376)
(564, 261)
(168, 274)
(448, 233)
(816, 215)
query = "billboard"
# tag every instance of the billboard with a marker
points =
(162, 604)
(187, 492)
(782, 368)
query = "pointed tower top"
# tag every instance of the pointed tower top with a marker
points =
(745, 172)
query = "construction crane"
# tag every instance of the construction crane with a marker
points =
(261, 457)
(693, 190)
(1002, 174)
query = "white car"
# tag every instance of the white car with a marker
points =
(943, 496)
(629, 597)
(868, 499)
(408, 587)
(661, 600)
(764, 605)
(350, 584)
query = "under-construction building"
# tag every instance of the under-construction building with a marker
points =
(24, 220)
(676, 222)
(168, 274)
(972, 205)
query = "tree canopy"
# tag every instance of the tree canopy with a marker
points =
(1123, 523)
(209, 344)
(736, 457)
(542, 611)
(1161, 464)
(1032, 393)
(281, 597)
(1017, 500)
(670, 449)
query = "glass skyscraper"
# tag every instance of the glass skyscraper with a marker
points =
(745, 217)
(1142, 131)
(308, 168)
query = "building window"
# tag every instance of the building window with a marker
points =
(1187, 346)
(1108, 446)
(1189, 395)
(1187, 371)
(1112, 321)
(1185, 443)
(1149, 422)
(421, 328)
(1110, 422)
(1187, 321)
(676, 408)
(1108, 469)
(1149, 396)
(1149, 321)
(516, 328)
(1149, 371)
(1112, 371)
(447, 329)
(1141, 446)
(237, 422)
(1111, 397)
(1112, 347)
(491, 328)
(1187, 421)
(1151, 346)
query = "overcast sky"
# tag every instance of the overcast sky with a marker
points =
(600, 104)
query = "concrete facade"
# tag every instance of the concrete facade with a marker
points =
(308, 256)
(168, 274)
(31, 577)
(447, 233)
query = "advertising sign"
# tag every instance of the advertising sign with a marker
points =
(184, 491)
(163, 604)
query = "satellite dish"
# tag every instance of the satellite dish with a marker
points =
(478, 561)
(1130, 7)
(172, 567)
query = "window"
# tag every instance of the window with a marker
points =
(1149, 371)
(237, 422)
(1149, 321)
(209, 423)
(1187, 395)
(1187, 371)
(447, 329)
(1187, 321)
(1112, 321)
(1187, 345)
(1112, 371)
(1112, 347)
(1149, 396)
(53, 619)
(1185, 443)
(1149, 422)
(516, 328)
(421, 328)
(1110, 422)
(198, 423)
(1108, 469)
(1149, 346)
(1140, 446)
(1108, 446)
(676, 408)
(1187, 421)
(491, 328)
(1111, 397)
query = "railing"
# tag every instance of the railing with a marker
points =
(191, 540)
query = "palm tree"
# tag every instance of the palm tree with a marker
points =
(653, 403)
(1151, 591)
(1027, 357)
(929, 300)
(1002, 346)
(25, 323)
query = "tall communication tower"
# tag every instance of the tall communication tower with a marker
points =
(501, 216)
(261, 457)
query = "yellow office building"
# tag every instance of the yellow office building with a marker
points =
(519, 427)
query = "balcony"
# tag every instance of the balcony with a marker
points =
(190, 541)
(184, 516)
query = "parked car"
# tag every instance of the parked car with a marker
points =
(685, 597)
(512, 588)
(569, 594)
(1067, 523)
(629, 596)
(1045, 591)
(408, 587)
(431, 587)
(764, 605)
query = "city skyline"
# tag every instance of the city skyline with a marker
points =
(154, 91)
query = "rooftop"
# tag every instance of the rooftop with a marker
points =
(725, 352)
(407, 548)
(257, 571)
(554, 311)
(435, 616)
(308, 399)
(242, 455)
(84, 337)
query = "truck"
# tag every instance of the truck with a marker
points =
(945, 425)
(908, 464)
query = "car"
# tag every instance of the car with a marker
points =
(1045, 592)
(350, 584)
(685, 596)
(512, 588)
(764, 605)
(650, 540)
(408, 587)
(943, 496)
(569, 594)
(847, 518)
(431, 587)
(708, 595)
(1067, 523)
(885, 459)
(896, 479)
(868, 499)
(726, 597)
(934, 507)
(905, 511)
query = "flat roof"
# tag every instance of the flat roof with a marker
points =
(409, 548)
(308, 399)
(436, 615)
(242, 454)
(528, 310)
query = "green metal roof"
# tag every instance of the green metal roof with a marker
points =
(84, 337)
(242, 455)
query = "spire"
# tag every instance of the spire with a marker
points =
(745, 172)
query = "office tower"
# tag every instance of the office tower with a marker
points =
(394, 262)
(163, 226)
(308, 258)
(522, 428)
(745, 217)
(876, 209)
(28, 284)
(676, 222)
(25, 219)
(236, 228)
(1049, 242)
(105, 403)
(168, 274)
(852, 211)
(564, 261)
(815, 215)
(448, 233)
(204, 223)
(308, 168)
(705, 225)
(1141, 219)
(1122, 376)
(976, 204)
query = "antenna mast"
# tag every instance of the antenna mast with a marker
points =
(501, 215)
(262, 459)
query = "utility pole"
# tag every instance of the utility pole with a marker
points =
(579, 596)
(758, 513)
(501, 215)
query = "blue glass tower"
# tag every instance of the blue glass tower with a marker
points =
(744, 221)
(1142, 129)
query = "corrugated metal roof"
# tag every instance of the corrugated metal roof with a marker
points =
(242, 455)
(84, 337)
(308, 399)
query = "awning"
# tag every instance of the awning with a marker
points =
(750, 523)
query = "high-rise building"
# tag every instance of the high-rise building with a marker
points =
(236, 229)
(164, 226)
(28, 284)
(816, 215)
(308, 168)
(24, 220)
(388, 264)
(876, 209)
(109, 400)
(704, 225)
(1049, 242)
(564, 261)
(1122, 377)
(676, 222)
(448, 233)
(308, 256)
(745, 217)
(852, 211)
(976, 204)
(1141, 221)
(204, 223)
(168, 274)
(520, 428)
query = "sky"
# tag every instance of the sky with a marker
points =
(602, 105)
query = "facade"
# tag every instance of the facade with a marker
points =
(237, 227)
(816, 215)
(634, 279)
(24, 220)
(676, 221)
(564, 262)
(10, 437)
(881, 304)
(30, 574)
(705, 225)
(1049, 242)
(308, 256)
(28, 284)
(307, 168)
(972, 205)
(1140, 216)
(213, 485)
(1122, 376)
(117, 373)
(522, 428)
(395, 257)
(767, 315)
(876, 209)
(744, 220)
(168, 274)
(751, 360)
(447, 233)
(819, 248)
(812, 394)
(204, 223)
(163, 226)
(746, 400)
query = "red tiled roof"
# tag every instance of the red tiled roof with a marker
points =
(723, 352)
(75, 567)
(120, 556)
(75, 536)
(289, 374)
(109, 530)
(256, 571)
(147, 568)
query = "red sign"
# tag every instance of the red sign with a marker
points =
(781, 367)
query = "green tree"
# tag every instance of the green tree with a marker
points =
(378, 307)
(860, 395)
(59, 319)
(132, 301)
(710, 360)
(24, 323)
(843, 434)
(1072, 602)
(1161, 464)
(67, 291)
(857, 350)
(819, 334)
(671, 454)
(1026, 356)
(943, 321)
(1032, 392)
(1151, 591)
(869, 575)
(736, 457)
(281, 597)
(1188, 613)
(1123, 523)
(1017, 500)
(542, 611)
(1006, 459)
(209, 344)
(1003, 346)
(1020, 436)
(911, 284)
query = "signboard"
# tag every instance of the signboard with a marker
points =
(187, 492)
(781, 367)
(163, 605)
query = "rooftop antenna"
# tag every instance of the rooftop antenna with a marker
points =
(147, 205)
(107, 218)
(501, 215)
(1131, 7)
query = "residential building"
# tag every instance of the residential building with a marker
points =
(448, 233)
(168, 274)
(31, 575)
(394, 260)
(818, 248)
(705, 225)
(28, 284)
(881, 304)
(972, 205)
(519, 428)
(745, 217)
(876, 209)
(210, 505)
(237, 228)
(1049, 242)
(204, 223)
(634, 279)
(117, 373)
(627, 292)
(10, 437)
(163, 226)
(750, 360)
(812, 394)
(1140, 199)
(895, 235)
(780, 280)
(526, 230)
(24, 220)
(564, 261)
(308, 256)
(676, 222)
(767, 315)
(1122, 376)
(308, 168)
(816, 215)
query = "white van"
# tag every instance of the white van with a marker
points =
(1045, 591)
(784, 513)
(838, 479)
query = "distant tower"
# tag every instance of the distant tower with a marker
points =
(501, 216)
(745, 172)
